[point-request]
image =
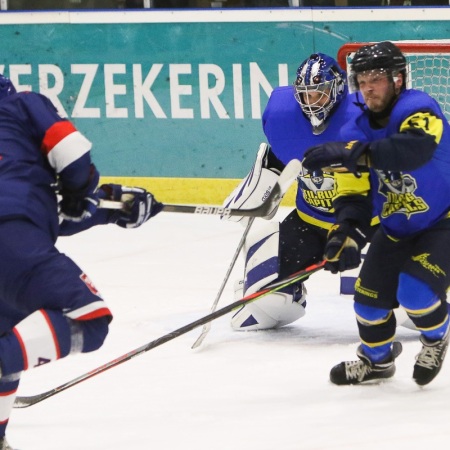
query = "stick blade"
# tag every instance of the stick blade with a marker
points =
(26, 401)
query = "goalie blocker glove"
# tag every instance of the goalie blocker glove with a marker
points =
(253, 190)
(337, 156)
(343, 247)
(139, 205)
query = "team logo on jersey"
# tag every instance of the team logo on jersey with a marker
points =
(427, 122)
(318, 190)
(399, 191)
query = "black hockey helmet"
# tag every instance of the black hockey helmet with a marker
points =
(384, 56)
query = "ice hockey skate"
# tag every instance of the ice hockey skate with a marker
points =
(356, 372)
(429, 360)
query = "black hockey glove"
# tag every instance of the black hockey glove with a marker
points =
(79, 205)
(335, 156)
(139, 205)
(343, 247)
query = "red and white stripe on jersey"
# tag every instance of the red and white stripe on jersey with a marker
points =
(88, 312)
(37, 339)
(6, 404)
(63, 144)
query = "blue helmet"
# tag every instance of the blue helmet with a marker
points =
(319, 74)
(6, 87)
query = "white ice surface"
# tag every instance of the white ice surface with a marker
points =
(239, 391)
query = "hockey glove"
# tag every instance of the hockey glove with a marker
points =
(79, 205)
(139, 205)
(253, 189)
(335, 156)
(343, 247)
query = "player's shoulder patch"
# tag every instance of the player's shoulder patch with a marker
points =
(426, 121)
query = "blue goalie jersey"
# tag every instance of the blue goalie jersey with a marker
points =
(289, 134)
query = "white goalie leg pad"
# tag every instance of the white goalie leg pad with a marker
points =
(403, 320)
(272, 311)
(37, 339)
(253, 190)
(262, 265)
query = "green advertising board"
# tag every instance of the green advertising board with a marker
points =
(176, 97)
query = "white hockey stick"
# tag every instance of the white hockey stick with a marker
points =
(207, 326)
(287, 177)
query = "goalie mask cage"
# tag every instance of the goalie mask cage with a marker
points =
(428, 66)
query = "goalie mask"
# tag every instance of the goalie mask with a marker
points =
(320, 86)
(6, 87)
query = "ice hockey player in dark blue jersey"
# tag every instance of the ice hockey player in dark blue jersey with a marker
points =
(48, 307)
(316, 109)
(404, 143)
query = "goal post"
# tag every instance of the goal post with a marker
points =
(428, 66)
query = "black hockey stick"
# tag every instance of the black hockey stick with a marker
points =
(24, 402)
(287, 177)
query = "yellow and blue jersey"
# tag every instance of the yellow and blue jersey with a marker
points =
(409, 201)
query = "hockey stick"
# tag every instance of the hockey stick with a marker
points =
(26, 401)
(287, 177)
(207, 326)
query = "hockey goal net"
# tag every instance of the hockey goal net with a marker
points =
(428, 66)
